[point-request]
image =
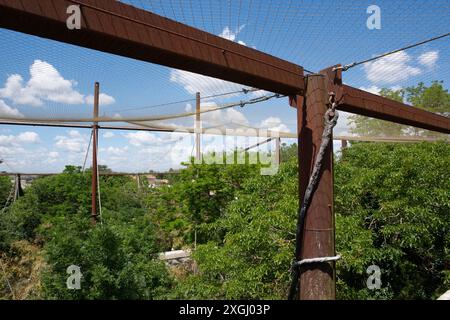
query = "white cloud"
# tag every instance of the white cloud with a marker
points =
(7, 111)
(429, 59)
(104, 99)
(108, 134)
(22, 138)
(391, 69)
(193, 82)
(221, 117)
(73, 142)
(142, 138)
(372, 89)
(53, 154)
(274, 124)
(45, 83)
(231, 35)
(28, 137)
(115, 151)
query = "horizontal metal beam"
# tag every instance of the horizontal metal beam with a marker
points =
(118, 28)
(55, 173)
(374, 106)
(371, 105)
(218, 131)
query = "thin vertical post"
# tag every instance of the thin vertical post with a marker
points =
(94, 155)
(278, 150)
(317, 280)
(18, 192)
(197, 128)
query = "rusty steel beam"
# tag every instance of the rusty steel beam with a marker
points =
(118, 28)
(374, 106)
(94, 181)
(371, 105)
(316, 238)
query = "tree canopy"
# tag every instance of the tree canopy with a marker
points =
(433, 98)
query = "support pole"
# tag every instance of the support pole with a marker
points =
(94, 156)
(343, 144)
(197, 128)
(18, 191)
(278, 150)
(317, 280)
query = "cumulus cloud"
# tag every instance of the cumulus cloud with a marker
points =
(8, 111)
(21, 138)
(108, 134)
(274, 124)
(115, 151)
(45, 83)
(231, 35)
(221, 117)
(142, 138)
(103, 99)
(391, 69)
(429, 59)
(372, 89)
(193, 82)
(73, 142)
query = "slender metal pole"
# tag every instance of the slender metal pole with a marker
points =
(278, 150)
(197, 128)
(94, 155)
(343, 144)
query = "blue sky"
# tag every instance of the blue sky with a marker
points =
(41, 78)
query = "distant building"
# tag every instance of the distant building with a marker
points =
(154, 182)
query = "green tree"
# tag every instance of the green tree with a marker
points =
(5, 190)
(391, 203)
(196, 198)
(117, 256)
(434, 98)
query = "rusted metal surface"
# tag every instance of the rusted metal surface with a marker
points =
(94, 156)
(371, 105)
(121, 29)
(317, 280)
(198, 154)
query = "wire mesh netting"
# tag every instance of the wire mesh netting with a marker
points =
(50, 82)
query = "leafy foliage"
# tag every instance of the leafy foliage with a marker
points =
(392, 204)
(434, 98)
(117, 257)
(5, 190)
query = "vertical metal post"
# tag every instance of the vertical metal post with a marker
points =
(278, 150)
(17, 187)
(317, 280)
(197, 128)
(94, 155)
